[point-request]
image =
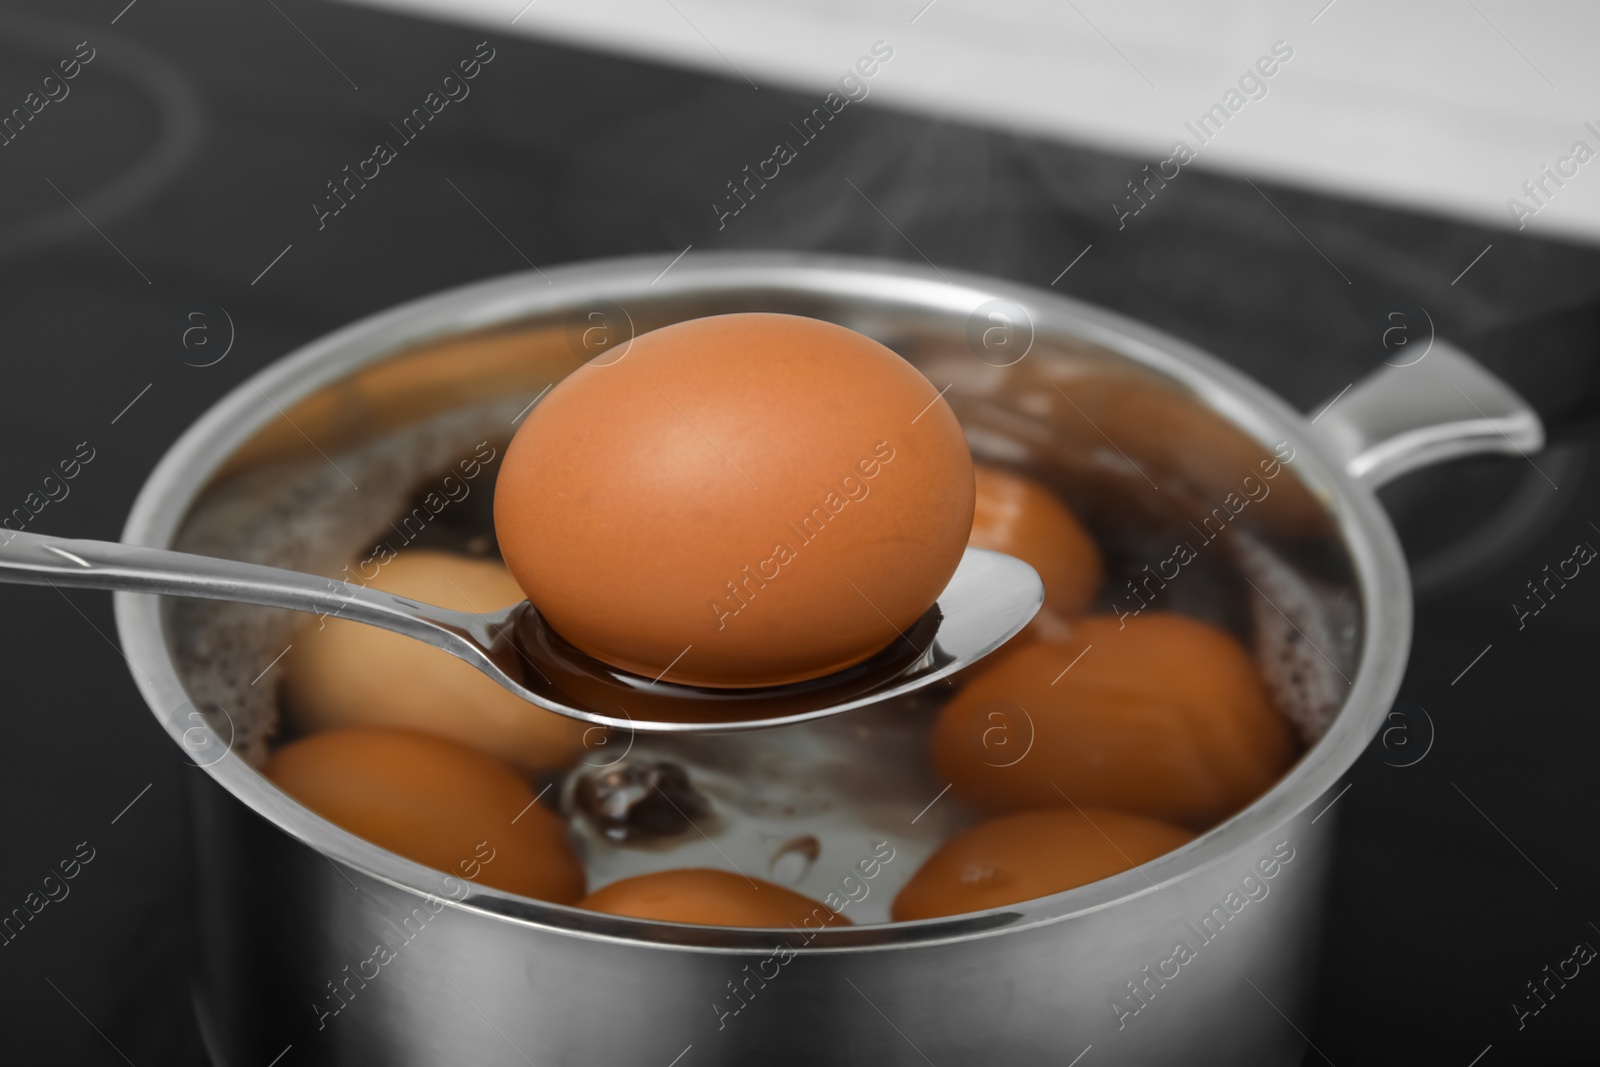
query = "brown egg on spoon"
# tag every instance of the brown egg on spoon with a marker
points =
(750, 500)
(739, 500)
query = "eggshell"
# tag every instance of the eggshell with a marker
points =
(1031, 854)
(441, 804)
(341, 673)
(710, 898)
(1164, 716)
(738, 500)
(1022, 518)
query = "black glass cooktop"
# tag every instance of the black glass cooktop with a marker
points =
(179, 211)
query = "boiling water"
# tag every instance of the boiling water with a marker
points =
(805, 806)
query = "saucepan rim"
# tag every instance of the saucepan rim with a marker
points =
(1377, 562)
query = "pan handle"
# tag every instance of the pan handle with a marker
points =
(1552, 361)
(1442, 406)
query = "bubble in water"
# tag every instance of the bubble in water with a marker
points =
(793, 860)
(634, 801)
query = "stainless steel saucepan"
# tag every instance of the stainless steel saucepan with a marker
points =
(322, 455)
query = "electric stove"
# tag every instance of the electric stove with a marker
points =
(181, 211)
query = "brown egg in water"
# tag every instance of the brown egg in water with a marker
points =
(435, 802)
(710, 898)
(1165, 716)
(342, 673)
(739, 500)
(1018, 516)
(1030, 854)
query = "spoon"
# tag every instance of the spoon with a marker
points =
(989, 599)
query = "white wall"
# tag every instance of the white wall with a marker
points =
(1446, 105)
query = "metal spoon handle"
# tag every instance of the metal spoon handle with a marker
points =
(989, 598)
(35, 559)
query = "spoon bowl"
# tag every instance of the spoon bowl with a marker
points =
(988, 600)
